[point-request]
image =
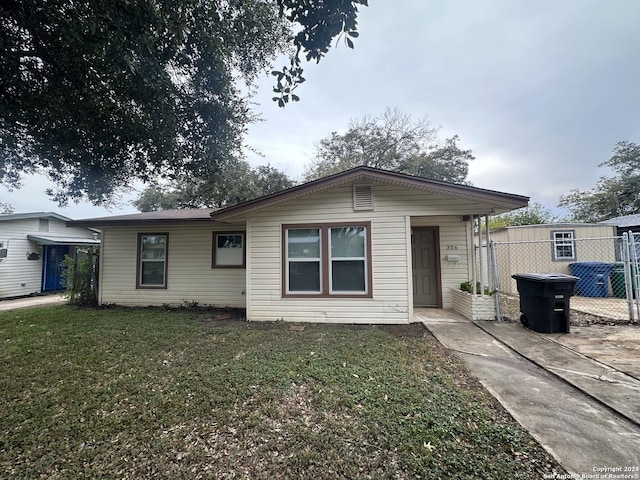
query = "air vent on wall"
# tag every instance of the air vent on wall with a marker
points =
(362, 197)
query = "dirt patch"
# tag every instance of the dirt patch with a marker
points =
(223, 317)
(510, 310)
(412, 330)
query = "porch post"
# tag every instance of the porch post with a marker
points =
(472, 260)
(480, 256)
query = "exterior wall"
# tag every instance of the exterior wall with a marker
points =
(474, 307)
(391, 302)
(592, 243)
(190, 277)
(19, 276)
(453, 241)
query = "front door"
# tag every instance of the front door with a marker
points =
(52, 267)
(424, 259)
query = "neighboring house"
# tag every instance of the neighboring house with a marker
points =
(361, 246)
(626, 223)
(32, 247)
(550, 248)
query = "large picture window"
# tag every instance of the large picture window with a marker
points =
(564, 245)
(327, 260)
(228, 250)
(152, 260)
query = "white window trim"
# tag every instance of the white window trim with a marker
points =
(557, 242)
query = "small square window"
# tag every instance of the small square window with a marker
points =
(228, 250)
(564, 245)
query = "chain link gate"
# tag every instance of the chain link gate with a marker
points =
(608, 269)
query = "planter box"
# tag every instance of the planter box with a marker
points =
(473, 307)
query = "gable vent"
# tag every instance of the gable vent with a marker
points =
(362, 197)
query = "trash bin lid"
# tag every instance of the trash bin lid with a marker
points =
(545, 277)
(590, 267)
(590, 264)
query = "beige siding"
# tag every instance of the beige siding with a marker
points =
(391, 301)
(190, 277)
(454, 241)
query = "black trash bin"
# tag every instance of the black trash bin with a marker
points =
(544, 300)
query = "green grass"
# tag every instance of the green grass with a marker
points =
(126, 393)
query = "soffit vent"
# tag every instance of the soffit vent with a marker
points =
(362, 197)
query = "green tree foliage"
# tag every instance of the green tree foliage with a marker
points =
(534, 214)
(235, 183)
(80, 277)
(6, 208)
(392, 141)
(98, 94)
(612, 196)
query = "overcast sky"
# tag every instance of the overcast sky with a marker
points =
(539, 91)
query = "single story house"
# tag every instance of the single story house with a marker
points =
(550, 248)
(361, 246)
(32, 249)
(625, 223)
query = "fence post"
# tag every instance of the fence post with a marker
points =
(634, 274)
(496, 279)
(628, 283)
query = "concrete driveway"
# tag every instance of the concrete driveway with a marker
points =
(34, 301)
(584, 412)
(617, 346)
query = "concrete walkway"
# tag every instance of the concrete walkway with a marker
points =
(35, 301)
(572, 424)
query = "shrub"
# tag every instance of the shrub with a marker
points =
(466, 287)
(80, 278)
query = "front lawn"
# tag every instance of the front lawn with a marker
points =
(147, 393)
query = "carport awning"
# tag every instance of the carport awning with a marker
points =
(53, 240)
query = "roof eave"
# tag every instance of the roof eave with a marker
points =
(504, 201)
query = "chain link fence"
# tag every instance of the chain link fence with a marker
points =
(607, 268)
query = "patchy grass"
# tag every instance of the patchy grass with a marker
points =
(126, 393)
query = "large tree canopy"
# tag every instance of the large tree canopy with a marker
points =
(392, 141)
(235, 183)
(97, 94)
(534, 214)
(612, 196)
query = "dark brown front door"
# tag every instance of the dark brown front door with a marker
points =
(426, 282)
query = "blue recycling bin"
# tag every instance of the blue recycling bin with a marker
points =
(594, 278)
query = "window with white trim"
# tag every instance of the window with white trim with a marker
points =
(564, 245)
(327, 260)
(152, 260)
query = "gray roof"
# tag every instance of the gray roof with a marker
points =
(497, 202)
(25, 216)
(161, 216)
(625, 221)
(62, 240)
